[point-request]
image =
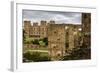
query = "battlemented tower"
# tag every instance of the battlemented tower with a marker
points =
(43, 29)
(27, 26)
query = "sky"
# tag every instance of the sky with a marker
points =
(58, 17)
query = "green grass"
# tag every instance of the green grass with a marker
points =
(44, 54)
(42, 48)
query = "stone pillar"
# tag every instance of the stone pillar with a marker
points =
(71, 38)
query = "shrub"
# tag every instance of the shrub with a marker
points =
(79, 54)
(41, 43)
(35, 42)
(46, 41)
(35, 57)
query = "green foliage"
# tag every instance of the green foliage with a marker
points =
(41, 43)
(79, 54)
(35, 57)
(46, 41)
(35, 42)
(24, 35)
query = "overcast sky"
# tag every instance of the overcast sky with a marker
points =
(58, 17)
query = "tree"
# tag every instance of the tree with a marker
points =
(36, 42)
(79, 54)
(41, 43)
(45, 40)
(24, 35)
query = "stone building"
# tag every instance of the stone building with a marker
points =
(27, 26)
(62, 38)
(56, 41)
(86, 29)
(43, 29)
(77, 36)
(35, 31)
(73, 37)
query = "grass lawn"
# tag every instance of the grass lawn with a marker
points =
(43, 48)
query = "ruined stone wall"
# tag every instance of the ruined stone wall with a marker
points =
(86, 29)
(56, 40)
(71, 38)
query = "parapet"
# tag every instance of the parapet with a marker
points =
(26, 22)
(35, 24)
(43, 22)
(52, 22)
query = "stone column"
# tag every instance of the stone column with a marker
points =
(71, 38)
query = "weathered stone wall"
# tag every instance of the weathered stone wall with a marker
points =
(71, 38)
(86, 29)
(56, 39)
(35, 31)
(27, 26)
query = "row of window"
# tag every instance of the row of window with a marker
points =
(38, 33)
(37, 29)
